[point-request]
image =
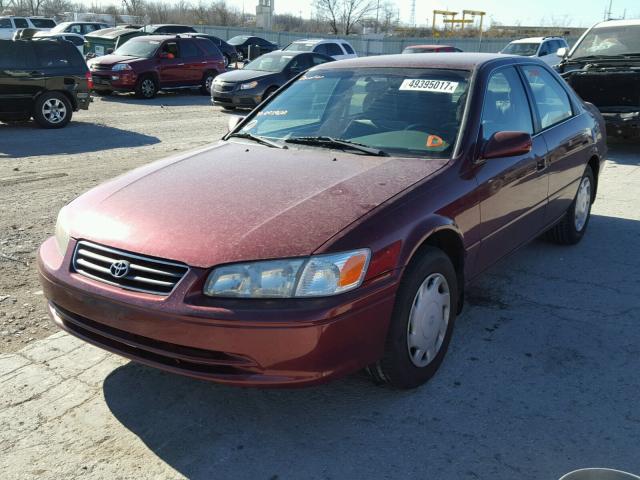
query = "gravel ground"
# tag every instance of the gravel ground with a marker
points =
(41, 170)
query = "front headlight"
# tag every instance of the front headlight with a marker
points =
(316, 276)
(62, 231)
(118, 67)
(249, 85)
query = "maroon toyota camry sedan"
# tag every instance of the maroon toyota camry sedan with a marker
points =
(335, 227)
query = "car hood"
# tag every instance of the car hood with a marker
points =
(113, 59)
(237, 201)
(242, 75)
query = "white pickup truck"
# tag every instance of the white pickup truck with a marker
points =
(9, 25)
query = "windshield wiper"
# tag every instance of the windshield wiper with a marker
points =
(258, 139)
(330, 142)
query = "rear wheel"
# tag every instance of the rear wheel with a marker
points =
(571, 228)
(207, 82)
(52, 110)
(146, 87)
(422, 322)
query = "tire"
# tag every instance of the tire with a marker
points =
(146, 87)
(571, 228)
(52, 110)
(227, 60)
(228, 108)
(431, 278)
(207, 82)
(270, 91)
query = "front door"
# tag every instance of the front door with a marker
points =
(512, 191)
(171, 65)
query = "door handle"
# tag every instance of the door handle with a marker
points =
(181, 64)
(36, 74)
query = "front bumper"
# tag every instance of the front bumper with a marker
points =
(124, 81)
(249, 343)
(236, 98)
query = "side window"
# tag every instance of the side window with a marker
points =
(170, 47)
(505, 105)
(5, 23)
(544, 49)
(51, 55)
(333, 49)
(75, 29)
(551, 100)
(317, 59)
(189, 50)
(88, 28)
(209, 47)
(21, 22)
(348, 48)
(15, 56)
(322, 48)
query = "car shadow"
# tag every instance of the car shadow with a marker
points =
(624, 152)
(26, 139)
(176, 98)
(540, 380)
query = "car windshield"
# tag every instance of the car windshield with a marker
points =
(138, 48)
(237, 40)
(618, 40)
(404, 112)
(301, 46)
(523, 49)
(269, 63)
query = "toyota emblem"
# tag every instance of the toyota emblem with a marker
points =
(119, 269)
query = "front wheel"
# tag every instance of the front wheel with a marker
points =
(571, 228)
(52, 110)
(146, 87)
(422, 322)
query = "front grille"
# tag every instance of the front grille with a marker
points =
(222, 99)
(100, 67)
(135, 272)
(224, 87)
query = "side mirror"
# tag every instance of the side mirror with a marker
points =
(233, 122)
(507, 144)
(562, 52)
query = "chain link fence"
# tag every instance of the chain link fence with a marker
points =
(366, 46)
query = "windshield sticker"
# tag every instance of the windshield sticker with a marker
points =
(441, 86)
(437, 143)
(313, 77)
(273, 113)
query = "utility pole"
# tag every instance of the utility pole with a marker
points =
(412, 17)
(377, 15)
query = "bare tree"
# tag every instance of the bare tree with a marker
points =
(343, 15)
(329, 11)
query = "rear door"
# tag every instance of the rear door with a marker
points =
(566, 130)
(194, 62)
(20, 81)
(61, 65)
(512, 190)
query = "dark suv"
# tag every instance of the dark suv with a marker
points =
(46, 80)
(147, 64)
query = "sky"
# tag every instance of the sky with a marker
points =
(581, 13)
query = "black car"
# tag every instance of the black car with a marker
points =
(167, 29)
(259, 79)
(46, 80)
(229, 52)
(242, 43)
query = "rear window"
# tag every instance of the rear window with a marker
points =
(21, 23)
(52, 54)
(333, 49)
(43, 23)
(348, 48)
(5, 23)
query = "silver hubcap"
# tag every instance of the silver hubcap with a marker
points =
(148, 88)
(583, 202)
(54, 110)
(428, 320)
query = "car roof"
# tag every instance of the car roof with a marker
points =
(617, 23)
(430, 46)
(452, 60)
(286, 53)
(318, 41)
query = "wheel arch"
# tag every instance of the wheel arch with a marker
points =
(594, 163)
(444, 234)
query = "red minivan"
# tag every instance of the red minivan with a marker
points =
(335, 227)
(148, 64)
